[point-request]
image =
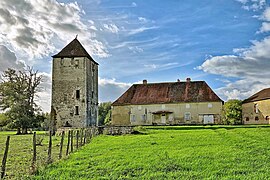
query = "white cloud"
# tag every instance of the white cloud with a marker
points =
(162, 66)
(141, 29)
(133, 4)
(135, 49)
(33, 28)
(266, 14)
(43, 98)
(111, 28)
(251, 66)
(266, 17)
(253, 5)
(110, 89)
(8, 59)
(142, 19)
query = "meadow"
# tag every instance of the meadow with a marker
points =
(21, 152)
(195, 152)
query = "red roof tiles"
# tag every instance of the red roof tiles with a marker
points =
(171, 92)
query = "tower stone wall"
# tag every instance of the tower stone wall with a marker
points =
(74, 88)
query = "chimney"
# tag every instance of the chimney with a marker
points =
(144, 81)
(188, 79)
(178, 80)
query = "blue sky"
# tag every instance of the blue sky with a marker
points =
(223, 42)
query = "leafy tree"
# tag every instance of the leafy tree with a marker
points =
(108, 119)
(232, 112)
(17, 93)
(103, 111)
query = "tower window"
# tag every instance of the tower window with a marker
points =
(77, 94)
(62, 61)
(256, 118)
(76, 110)
(93, 70)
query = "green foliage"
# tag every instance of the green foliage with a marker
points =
(232, 112)
(104, 113)
(17, 92)
(197, 152)
(3, 120)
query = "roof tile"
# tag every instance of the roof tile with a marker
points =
(171, 92)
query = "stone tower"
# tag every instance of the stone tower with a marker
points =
(74, 87)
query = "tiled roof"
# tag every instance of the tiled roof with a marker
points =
(171, 92)
(261, 95)
(73, 49)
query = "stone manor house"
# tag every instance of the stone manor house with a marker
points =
(170, 103)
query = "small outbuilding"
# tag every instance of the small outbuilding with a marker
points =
(256, 108)
(168, 103)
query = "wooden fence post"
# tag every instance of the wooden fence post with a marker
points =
(81, 138)
(3, 166)
(77, 139)
(50, 149)
(61, 144)
(33, 166)
(71, 141)
(68, 143)
(84, 137)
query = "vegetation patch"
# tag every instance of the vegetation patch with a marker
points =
(171, 153)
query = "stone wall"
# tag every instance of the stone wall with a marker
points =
(260, 116)
(74, 92)
(174, 114)
(118, 130)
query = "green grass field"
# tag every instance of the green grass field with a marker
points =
(21, 150)
(209, 152)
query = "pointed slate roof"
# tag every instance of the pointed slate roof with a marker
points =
(170, 92)
(74, 49)
(261, 95)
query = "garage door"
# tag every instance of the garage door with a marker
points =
(208, 119)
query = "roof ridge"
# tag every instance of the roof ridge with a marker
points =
(168, 82)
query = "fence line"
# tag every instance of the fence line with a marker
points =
(83, 137)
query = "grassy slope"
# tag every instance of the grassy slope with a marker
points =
(21, 150)
(171, 152)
